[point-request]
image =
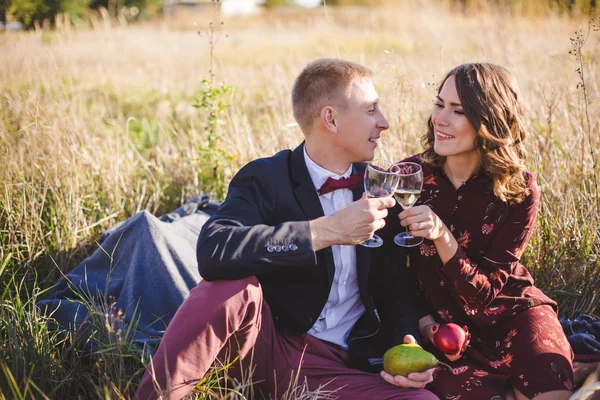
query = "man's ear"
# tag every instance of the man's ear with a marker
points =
(328, 118)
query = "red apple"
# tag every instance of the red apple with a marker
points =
(451, 339)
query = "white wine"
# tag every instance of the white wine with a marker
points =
(406, 197)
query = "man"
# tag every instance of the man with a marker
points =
(286, 236)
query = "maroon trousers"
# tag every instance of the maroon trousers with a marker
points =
(232, 315)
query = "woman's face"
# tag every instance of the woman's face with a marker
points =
(454, 134)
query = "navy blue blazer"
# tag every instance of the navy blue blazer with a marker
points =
(262, 229)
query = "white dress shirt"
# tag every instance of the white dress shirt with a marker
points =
(343, 307)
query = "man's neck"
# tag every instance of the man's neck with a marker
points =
(326, 156)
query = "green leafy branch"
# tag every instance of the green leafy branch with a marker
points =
(214, 159)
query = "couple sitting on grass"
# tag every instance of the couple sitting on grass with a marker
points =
(288, 290)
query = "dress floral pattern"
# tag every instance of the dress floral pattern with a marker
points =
(516, 333)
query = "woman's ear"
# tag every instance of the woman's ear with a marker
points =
(328, 118)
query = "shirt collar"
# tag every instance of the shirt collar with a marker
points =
(319, 175)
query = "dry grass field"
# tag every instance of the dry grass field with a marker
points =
(100, 122)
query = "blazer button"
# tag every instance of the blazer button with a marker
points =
(293, 247)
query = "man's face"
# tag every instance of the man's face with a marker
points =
(360, 124)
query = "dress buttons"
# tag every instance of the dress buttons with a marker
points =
(293, 247)
(285, 247)
(277, 248)
(270, 248)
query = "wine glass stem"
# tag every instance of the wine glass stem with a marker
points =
(409, 235)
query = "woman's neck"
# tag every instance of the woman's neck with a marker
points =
(460, 169)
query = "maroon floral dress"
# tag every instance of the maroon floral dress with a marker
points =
(516, 335)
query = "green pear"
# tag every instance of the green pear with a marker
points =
(406, 358)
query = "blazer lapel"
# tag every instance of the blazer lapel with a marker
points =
(304, 188)
(308, 199)
(363, 254)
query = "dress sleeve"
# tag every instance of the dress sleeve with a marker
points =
(477, 285)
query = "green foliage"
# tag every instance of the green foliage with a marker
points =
(147, 7)
(3, 10)
(30, 11)
(268, 4)
(75, 8)
(39, 361)
(29, 348)
(214, 159)
(527, 7)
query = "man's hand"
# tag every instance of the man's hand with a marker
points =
(352, 224)
(414, 380)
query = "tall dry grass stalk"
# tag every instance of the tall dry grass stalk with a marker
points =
(98, 124)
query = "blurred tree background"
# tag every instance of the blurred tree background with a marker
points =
(30, 12)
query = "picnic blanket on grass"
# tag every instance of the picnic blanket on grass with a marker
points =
(141, 272)
(583, 333)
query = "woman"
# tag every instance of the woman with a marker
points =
(476, 211)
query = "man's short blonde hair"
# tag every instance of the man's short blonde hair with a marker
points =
(321, 83)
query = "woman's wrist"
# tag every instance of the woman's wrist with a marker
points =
(425, 325)
(429, 331)
(446, 244)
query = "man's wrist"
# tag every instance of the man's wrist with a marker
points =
(321, 234)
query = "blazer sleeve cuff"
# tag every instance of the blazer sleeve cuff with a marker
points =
(292, 240)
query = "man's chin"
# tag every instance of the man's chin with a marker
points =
(366, 158)
(369, 155)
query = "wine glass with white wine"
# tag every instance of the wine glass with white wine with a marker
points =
(381, 179)
(406, 194)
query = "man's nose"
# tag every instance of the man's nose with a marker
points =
(383, 123)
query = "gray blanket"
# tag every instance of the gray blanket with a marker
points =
(141, 272)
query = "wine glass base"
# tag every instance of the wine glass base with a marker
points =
(405, 239)
(374, 241)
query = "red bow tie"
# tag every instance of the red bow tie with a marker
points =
(332, 184)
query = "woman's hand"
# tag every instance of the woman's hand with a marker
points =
(423, 222)
(453, 357)
(429, 331)
(450, 337)
(428, 328)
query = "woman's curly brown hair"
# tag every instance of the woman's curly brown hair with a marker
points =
(490, 100)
